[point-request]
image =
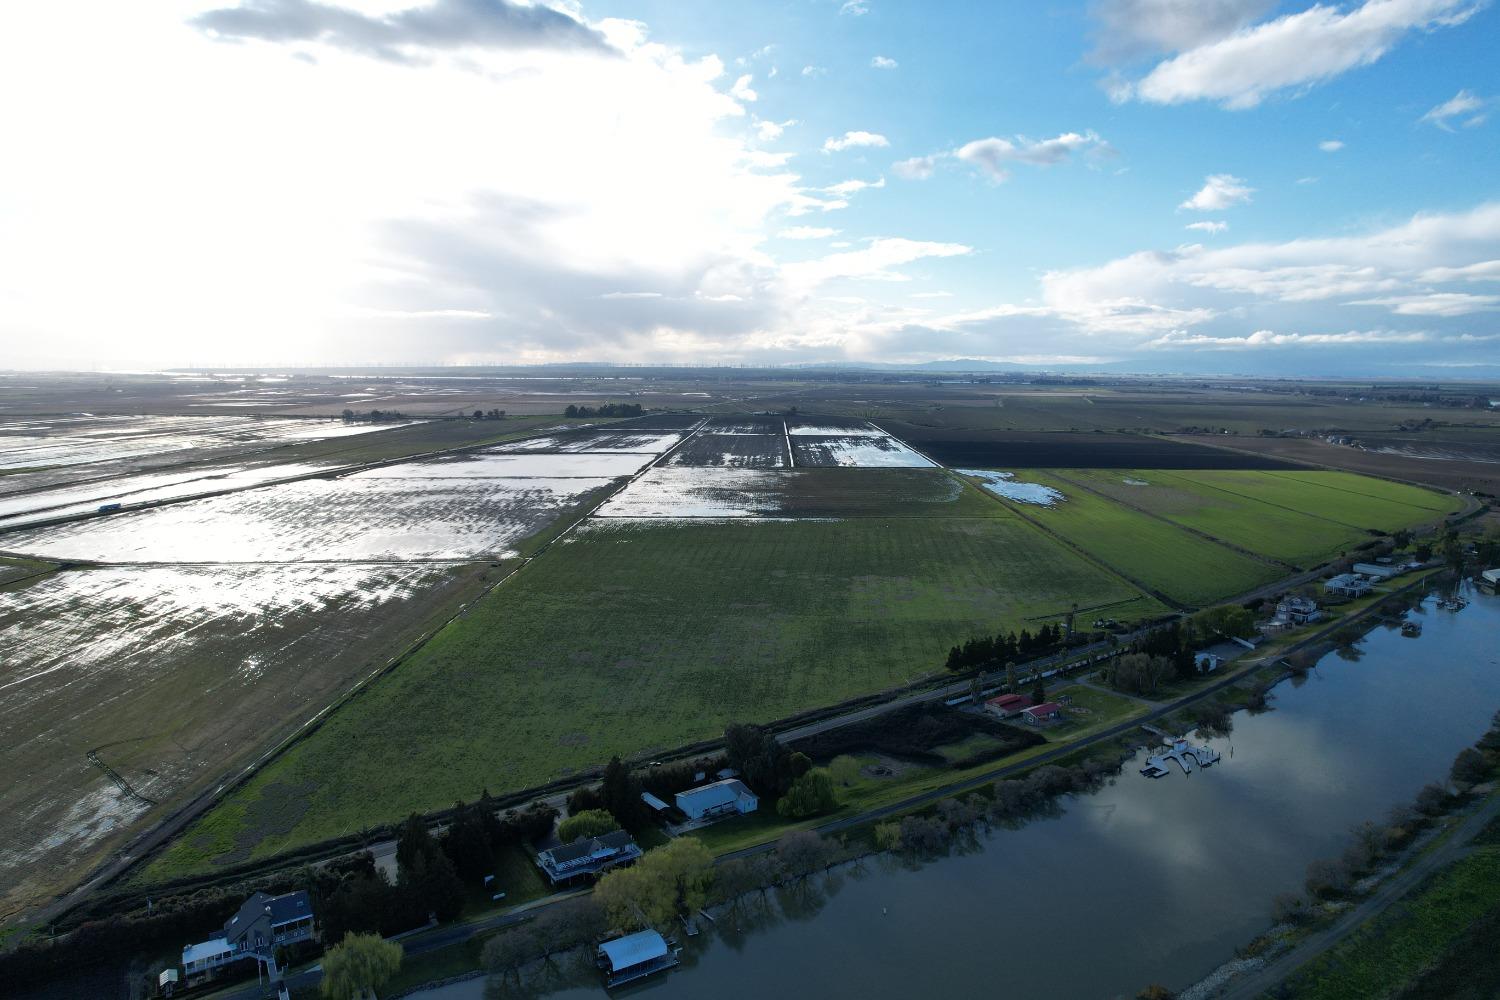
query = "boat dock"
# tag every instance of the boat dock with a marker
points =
(1184, 753)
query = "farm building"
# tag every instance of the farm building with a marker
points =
(263, 923)
(1348, 585)
(1008, 705)
(1047, 711)
(634, 956)
(721, 798)
(655, 803)
(1376, 571)
(1491, 576)
(588, 856)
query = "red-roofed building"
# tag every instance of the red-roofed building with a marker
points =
(1008, 705)
(1047, 711)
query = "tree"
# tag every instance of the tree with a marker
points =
(1156, 991)
(1469, 768)
(844, 769)
(359, 965)
(668, 882)
(1402, 537)
(584, 798)
(810, 795)
(1011, 684)
(622, 795)
(1227, 621)
(1039, 691)
(468, 842)
(589, 823)
(413, 841)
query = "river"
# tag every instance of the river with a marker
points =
(1142, 881)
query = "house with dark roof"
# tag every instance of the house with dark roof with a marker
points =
(262, 924)
(587, 856)
(1047, 711)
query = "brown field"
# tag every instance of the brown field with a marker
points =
(1445, 474)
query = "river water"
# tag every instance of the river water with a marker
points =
(1143, 881)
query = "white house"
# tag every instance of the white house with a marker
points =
(1207, 662)
(1348, 585)
(1297, 610)
(1376, 570)
(720, 798)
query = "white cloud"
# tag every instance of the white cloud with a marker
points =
(1331, 145)
(1208, 226)
(1268, 339)
(741, 90)
(874, 262)
(918, 168)
(853, 186)
(1435, 304)
(807, 233)
(994, 155)
(769, 130)
(1460, 104)
(814, 71)
(1486, 270)
(855, 8)
(850, 140)
(1219, 191)
(631, 295)
(883, 62)
(932, 295)
(1292, 51)
(1128, 29)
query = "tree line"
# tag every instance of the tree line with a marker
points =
(991, 651)
(606, 410)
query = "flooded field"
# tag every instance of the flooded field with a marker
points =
(45, 505)
(863, 451)
(1005, 484)
(83, 439)
(645, 440)
(378, 515)
(720, 449)
(169, 676)
(679, 492)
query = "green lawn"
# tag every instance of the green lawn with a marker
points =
(637, 637)
(1184, 566)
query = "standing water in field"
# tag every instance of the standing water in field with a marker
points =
(1005, 484)
(1143, 881)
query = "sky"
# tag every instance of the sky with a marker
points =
(1227, 186)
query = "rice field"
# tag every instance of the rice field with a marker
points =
(78, 440)
(720, 449)
(171, 675)
(635, 636)
(670, 492)
(1301, 518)
(1187, 568)
(854, 451)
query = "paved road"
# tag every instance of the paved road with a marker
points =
(1457, 845)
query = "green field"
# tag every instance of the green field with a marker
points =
(637, 637)
(1187, 568)
(1423, 937)
(1302, 518)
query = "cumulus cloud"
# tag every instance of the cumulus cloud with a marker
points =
(1208, 226)
(917, 168)
(1331, 145)
(406, 35)
(814, 71)
(769, 130)
(1128, 29)
(994, 155)
(1295, 50)
(1219, 191)
(855, 8)
(1461, 105)
(851, 140)
(742, 91)
(807, 233)
(883, 62)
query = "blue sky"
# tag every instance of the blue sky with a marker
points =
(481, 181)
